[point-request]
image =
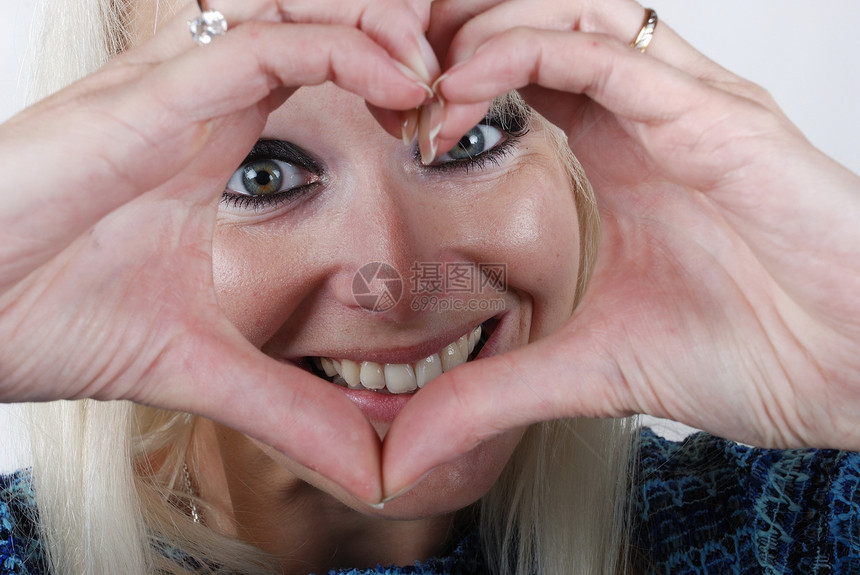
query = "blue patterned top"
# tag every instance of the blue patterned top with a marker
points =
(20, 552)
(703, 505)
(707, 505)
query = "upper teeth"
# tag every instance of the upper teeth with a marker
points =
(400, 377)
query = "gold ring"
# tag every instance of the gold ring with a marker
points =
(646, 32)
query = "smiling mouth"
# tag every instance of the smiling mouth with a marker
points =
(399, 378)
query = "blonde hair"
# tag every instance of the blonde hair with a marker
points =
(559, 506)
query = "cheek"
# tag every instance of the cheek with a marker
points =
(536, 234)
(258, 286)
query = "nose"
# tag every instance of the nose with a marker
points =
(379, 244)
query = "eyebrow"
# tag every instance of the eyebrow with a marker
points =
(510, 112)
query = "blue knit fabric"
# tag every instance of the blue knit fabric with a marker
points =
(466, 559)
(20, 551)
(704, 505)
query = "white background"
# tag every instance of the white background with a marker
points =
(804, 52)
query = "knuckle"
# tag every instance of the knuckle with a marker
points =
(756, 93)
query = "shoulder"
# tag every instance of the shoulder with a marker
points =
(710, 505)
(20, 550)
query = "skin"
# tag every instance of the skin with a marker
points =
(283, 276)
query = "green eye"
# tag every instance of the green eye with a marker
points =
(478, 140)
(262, 178)
(267, 177)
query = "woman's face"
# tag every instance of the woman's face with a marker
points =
(486, 237)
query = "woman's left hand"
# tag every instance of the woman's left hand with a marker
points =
(725, 291)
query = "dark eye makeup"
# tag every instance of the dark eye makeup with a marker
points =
(274, 171)
(277, 171)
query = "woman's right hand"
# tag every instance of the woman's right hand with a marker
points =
(109, 197)
(724, 295)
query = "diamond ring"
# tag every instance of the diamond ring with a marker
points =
(209, 24)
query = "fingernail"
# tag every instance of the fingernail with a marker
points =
(410, 73)
(429, 126)
(435, 86)
(409, 125)
(378, 506)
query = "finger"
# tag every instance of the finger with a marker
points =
(422, 11)
(396, 25)
(620, 19)
(221, 376)
(448, 17)
(129, 129)
(260, 55)
(646, 95)
(445, 123)
(392, 121)
(407, 124)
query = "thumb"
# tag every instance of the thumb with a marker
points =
(564, 375)
(225, 378)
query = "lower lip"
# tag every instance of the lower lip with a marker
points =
(378, 407)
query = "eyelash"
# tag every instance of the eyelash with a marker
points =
(257, 202)
(513, 125)
(513, 130)
(492, 156)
